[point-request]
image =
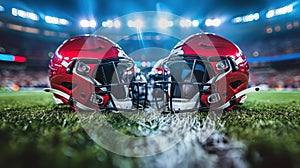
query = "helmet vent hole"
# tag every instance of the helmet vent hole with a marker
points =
(236, 84)
(67, 85)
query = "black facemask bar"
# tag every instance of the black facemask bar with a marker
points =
(114, 78)
(190, 77)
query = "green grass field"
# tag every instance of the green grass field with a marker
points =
(37, 133)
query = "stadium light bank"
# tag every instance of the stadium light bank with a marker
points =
(280, 11)
(216, 22)
(85, 23)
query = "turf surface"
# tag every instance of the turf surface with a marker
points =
(37, 133)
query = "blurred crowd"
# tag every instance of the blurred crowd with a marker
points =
(288, 79)
(23, 79)
(267, 78)
(280, 44)
(276, 75)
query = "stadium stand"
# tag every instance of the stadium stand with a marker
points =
(283, 75)
(23, 79)
(268, 41)
(271, 45)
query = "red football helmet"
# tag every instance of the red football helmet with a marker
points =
(206, 71)
(91, 72)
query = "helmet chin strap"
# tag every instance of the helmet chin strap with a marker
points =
(238, 95)
(66, 96)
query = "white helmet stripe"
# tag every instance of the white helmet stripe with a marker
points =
(66, 96)
(239, 94)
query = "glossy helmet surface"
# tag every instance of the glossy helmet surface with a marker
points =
(91, 72)
(206, 72)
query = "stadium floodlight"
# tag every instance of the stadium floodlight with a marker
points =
(284, 10)
(108, 23)
(32, 16)
(88, 23)
(21, 13)
(52, 20)
(104, 24)
(270, 13)
(24, 14)
(238, 19)
(55, 20)
(14, 12)
(213, 22)
(117, 23)
(185, 23)
(63, 21)
(280, 11)
(93, 23)
(251, 17)
(2, 9)
(164, 23)
(111, 23)
(195, 23)
(84, 23)
(246, 18)
(138, 23)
